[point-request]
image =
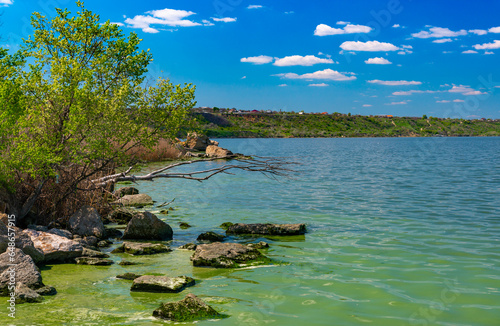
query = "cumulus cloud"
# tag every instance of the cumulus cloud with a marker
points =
(5, 3)
(259, 60)
(488, 46)
(224, 20)
(370, 46)
(439, 32)
(166, 17)
(478, 31)
(254, 7)
(297, 60)
(327, 74)
(378, 61)
(396, 26)
(465, 90)
(443, 40)
(319, 85)
(494, 30)
(394, 82)
(324, 30)
(469, 52)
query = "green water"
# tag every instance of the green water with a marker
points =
(401, 232)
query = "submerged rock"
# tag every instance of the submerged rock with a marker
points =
(134, 200)
(128, 276)
(188, 309)
(55, 248)
(86, 222)
(152, 283)
(210, 237)
(147, 226)
(138, 248)
(184, 225)
(93, 261)
(126, 263)
(267, 229)
(227, 255)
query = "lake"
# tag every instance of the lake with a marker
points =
(401, 231)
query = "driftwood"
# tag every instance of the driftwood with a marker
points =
(270, 167)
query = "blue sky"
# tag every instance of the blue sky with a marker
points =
(400, 57)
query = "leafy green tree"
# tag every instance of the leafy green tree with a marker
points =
(75, 95)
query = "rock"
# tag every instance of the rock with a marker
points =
(260, 245)
(128, 276)
(24, 272)
(136, 248)
(93, 261)
(46, 290)
(216, 151)
(104, 244)
(86, 222)
(134, 200)
(26, 295)
(126, 191)
(126, 263)
(188, 246)
(38, 228)
(161, 284)
(62, 233)
(89, 241)
(55, 248)
(184, 225)
(21, 241)
(93, 253)
(210, 237)
(188, 309)
(113, 233)
(267, 229)
(121, 215)
(148, 227)
(225, 225)
(197, 141)
(227, 255)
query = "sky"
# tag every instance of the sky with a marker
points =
(400, 57)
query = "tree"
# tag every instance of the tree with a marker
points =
(73, 104)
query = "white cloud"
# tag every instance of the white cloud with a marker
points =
(474, 93)
(394, 82)
(244, 77)
(254, 7)
(5, 3)
(478, 31)
(407, 46)
(324, 30)
(443, 101)
(319, 85)
(225, 19)
(445, 52)
(340, 22)
(370, 46)
(488, 46)
(443, 40)
(465, 90)
(396, 26)
(327, 74)
(406, 93)
(469, 52)
(168, 17)
(397, 103)
(458, 101)
(378, 61)
(494, 30)
(297, 60)
(489, 52)
(367, 105)
(207, 23)
(259, 60)
(283, 85)
(439, 32)
(289, 12)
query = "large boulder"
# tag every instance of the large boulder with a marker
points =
(161, 284)
(147, 226)
(55, 248)
(87, 222)
(61, 232)
(136, 248)
(134, 200)
(267, 229)
(24, 271)
(197, 142)
(21, 241)
(188, 309)
(125, 191)
(216, 151)
(227, 255)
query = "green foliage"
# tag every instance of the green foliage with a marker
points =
(75, 94)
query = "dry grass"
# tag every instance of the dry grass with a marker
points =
(164, 150)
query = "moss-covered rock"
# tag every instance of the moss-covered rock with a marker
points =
(128, 276)
(188, 309)
(227, 255)
(184, 225)
(93, 261)
(210, 237)
(137, 248)
(153, 283)
(267, 229)
(225, 225)
(188, 246)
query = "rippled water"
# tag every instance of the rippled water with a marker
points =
(402, 231)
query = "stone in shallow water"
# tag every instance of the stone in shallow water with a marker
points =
(146, 226)
(93, 261)
(128, 276)
(188, 246)
(26, 272)
(137, 248)
(210, 237)
(227, 255)
(188, 309)
(54, 247)
(26, 295)
(134, 200)
(267, 229)
(260, 245)
(153, 283)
